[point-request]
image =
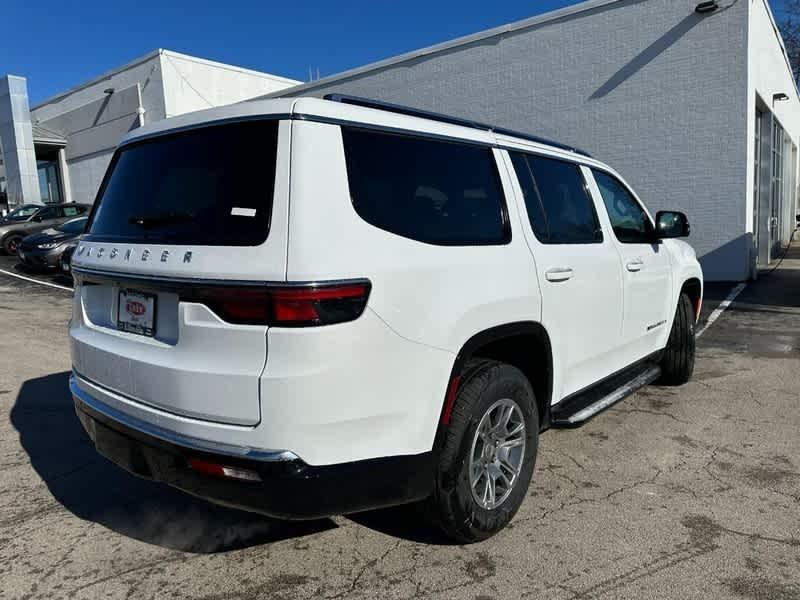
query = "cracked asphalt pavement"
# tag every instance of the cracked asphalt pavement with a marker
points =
(688, 492)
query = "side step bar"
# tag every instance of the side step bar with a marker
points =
(576, 410)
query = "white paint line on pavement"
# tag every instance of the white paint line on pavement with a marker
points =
(39, 281)
(722, 306)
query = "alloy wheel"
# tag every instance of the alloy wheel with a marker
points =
(498, 452)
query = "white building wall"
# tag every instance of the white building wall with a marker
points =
(769, 74)
(164, 83)
(192, 83)
(94, 122)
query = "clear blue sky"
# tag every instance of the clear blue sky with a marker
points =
(58, 44)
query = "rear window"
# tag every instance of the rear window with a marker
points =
(73, 210)
(432, 191)
(209, 186)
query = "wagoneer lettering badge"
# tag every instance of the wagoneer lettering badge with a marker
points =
(164, 255)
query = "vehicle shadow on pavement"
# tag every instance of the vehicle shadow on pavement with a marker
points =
(94, 489)
(407, 522)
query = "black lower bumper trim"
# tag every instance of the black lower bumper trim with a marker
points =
(288, 489)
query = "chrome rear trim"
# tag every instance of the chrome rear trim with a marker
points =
(190, 443)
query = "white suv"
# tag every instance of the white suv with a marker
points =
(308, 307)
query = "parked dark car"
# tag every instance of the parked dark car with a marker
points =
(33, 218)
(44, 249)
(65, 262)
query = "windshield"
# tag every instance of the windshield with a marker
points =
(209, 186)
(23, 212)
(75, 226)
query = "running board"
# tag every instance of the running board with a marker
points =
(575, 411)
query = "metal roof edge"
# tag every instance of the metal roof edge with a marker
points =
(553, 15)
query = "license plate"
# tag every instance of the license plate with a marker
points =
(137, 312)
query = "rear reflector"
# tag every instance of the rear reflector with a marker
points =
(293, 305)
(209, 468)
(450, 400)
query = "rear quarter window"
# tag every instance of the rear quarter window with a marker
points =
(559, 206)
(432, 191)
(208, 186)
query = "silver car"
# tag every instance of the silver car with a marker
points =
(33, 218)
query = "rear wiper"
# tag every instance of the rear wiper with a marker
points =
(161, 219)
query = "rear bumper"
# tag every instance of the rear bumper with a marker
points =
(289, 488)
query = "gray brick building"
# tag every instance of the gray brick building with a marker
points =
(698, 110)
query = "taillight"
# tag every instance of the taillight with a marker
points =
(319, 305)
(293, 305)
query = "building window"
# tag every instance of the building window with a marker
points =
(777, 191)
(49, 184)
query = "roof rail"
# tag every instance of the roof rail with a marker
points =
(434, 116)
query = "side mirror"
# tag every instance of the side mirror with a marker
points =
(37, 219)
(672, 224)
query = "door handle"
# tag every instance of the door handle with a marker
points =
(559, 274)
(635, 265)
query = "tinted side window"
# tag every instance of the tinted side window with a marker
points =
(431, 191)
(630, 222)
(51, 212)
(559, 206)
(533, 201)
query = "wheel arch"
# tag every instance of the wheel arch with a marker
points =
(9, 234)
(693, 288)
(523, 344)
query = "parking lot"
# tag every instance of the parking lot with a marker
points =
(687, 492)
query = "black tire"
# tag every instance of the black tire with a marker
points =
(677, 362)
(452, 505)
(11, 243)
